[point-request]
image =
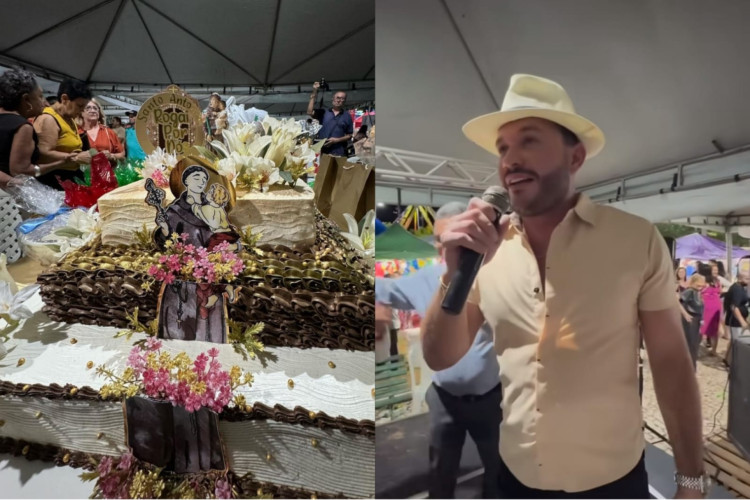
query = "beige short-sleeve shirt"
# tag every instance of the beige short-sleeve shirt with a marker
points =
(568, 348)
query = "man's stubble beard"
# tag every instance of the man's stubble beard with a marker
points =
(553, 190)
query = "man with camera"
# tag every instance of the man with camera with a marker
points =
(336, 123)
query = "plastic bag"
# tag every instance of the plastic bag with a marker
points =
(52, 239)
(34, 198)
(103, 180)
(237, 114)
(128, 172)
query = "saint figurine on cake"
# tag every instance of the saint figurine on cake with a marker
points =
(202, 254)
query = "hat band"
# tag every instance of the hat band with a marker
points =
(519, 108)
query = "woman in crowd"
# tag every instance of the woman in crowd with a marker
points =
(101, 137)
(691, 305)
(711, 295)
(725, 284)
(58, 133)
(20, 99)
(681, 275)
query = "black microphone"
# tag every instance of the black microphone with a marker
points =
(470, 261)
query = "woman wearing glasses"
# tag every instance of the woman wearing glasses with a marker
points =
(101, 137)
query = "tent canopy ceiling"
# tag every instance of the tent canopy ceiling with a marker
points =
(233, 42)
(660, 77)
(263, 44)
(727, 203)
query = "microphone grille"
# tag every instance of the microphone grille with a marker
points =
(497, 197)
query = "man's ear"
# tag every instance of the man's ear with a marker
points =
(577, 157)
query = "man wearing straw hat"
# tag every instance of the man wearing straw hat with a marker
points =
(567, 344)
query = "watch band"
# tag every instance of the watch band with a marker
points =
(699, 483)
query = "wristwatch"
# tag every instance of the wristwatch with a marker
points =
(700, 483)
(37, 171)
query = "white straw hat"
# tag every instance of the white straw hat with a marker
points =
(532, 96)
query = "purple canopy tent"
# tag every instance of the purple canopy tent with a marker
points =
(699, 247)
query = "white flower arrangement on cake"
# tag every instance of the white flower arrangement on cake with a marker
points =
(362, 240)
(256, 155)
(13, 308)
(157, 166)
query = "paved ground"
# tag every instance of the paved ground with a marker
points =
(712, 379)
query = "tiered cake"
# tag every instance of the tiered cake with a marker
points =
(181, 415)
(307, 428)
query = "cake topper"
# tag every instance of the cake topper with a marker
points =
(170, 120)
(201, 254)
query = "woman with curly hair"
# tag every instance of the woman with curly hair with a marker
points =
(20, 99)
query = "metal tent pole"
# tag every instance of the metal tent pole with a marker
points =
(729, 238)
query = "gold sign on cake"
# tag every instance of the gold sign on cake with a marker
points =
(171, 121)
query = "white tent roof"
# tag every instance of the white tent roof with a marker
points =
(662, 78)
(136, 47)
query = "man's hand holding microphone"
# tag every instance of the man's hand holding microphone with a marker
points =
(468, 240)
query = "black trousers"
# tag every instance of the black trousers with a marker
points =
(634, 484)
(394, 342)
(451, 417)
(693, 336)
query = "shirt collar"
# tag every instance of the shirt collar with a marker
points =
(586, 209)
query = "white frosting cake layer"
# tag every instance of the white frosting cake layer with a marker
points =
(50, 357)
(283, 216)
(73, 425)
(340, 463)
(124, 211)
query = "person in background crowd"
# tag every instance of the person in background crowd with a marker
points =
(572, 417)
(116, 124)
(215, 106)
(691, 304)
(711, 295)
(20, 99)
(463, 398)
(736, 306)
(395, 327)
(725, 284)
(681, 275)
(58, 134)
(51, 100)
(383, 323)
(336, 123)
(101, 137)
(133, 148)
